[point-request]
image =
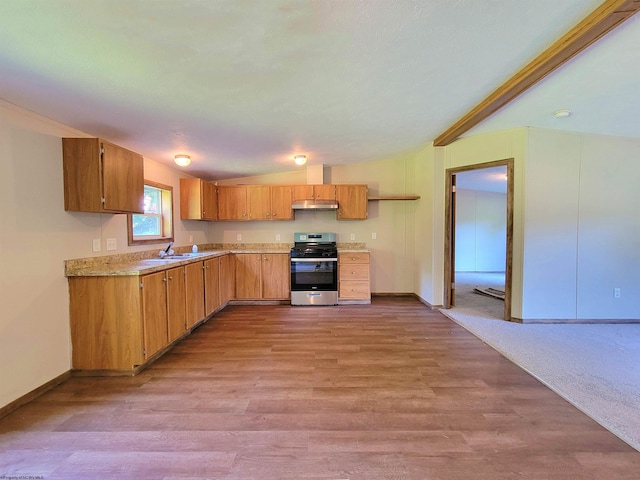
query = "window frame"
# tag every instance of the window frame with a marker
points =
(166, 191)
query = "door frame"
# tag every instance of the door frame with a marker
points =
(449, 241)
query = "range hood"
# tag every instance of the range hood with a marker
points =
(315, 205)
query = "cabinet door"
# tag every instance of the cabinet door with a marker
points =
(302, 192)
(232, 203)
(324, 192)
(122, 179)
(194, 284)
(248, 275)
(198, 199)
(259, 201)
(227, 279)
(276, 276)
(176, 303)
(154, 312)
(281, 200)
(211, 285)
(352, 202)
(209, 201)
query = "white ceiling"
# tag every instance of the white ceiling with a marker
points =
(241, 86)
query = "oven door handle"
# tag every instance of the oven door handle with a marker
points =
(314, 260)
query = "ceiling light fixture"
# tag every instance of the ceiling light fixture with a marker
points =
(182, 160)
(300, 159)
(562, 113)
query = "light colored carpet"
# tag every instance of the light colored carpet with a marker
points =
(594, 367)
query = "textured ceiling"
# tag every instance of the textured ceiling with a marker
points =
(243, 85)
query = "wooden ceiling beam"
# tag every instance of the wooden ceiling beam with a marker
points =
(597, 24)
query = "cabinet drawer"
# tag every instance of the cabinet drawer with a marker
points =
(359, 257)
(354, 290)
(356, 271)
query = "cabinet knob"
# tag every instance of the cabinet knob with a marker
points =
(353, 258)
(353, 273)
(274, 214)
(170, 278)
(164, 280)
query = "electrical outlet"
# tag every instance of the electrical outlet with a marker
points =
(111, 244)
(190, 238)
(277, 237)
(616, 293)
(353, 236)
(374, 235)
(239, 237)
(96, 245)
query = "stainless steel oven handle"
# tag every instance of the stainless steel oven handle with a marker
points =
(314, 260)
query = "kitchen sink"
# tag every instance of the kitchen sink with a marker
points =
(177, 256)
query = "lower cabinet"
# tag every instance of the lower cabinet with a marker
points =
(353, 276)
(118, 323)
(211, 285)
(194, 285)
(262, 276)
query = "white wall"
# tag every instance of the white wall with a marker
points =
(582, 227)
(481, 229)
(36, 237)
(431, 166)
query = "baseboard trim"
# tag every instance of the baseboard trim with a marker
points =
(33, 394)
(579, 321)
(407, 294)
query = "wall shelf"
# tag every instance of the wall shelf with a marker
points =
(394, 197)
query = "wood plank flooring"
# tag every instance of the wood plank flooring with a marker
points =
(390, 390)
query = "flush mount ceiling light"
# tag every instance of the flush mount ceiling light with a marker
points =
(182, 160)
(300, 159)
(562, 113)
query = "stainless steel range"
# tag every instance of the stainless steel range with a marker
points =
(314, 269)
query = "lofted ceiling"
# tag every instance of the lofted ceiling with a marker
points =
(242, 86)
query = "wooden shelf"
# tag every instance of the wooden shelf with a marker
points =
(394, 197)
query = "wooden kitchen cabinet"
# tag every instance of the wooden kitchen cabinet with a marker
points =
(154, 312)
(232, 202)
(106, 323)
(227, 279)
(276, 276)
(281, 197)
(194, 286)
(262, 276)
(353, 277)
(198, 199)
(211, 285)
(255, 202)
(352, 202)
(176, 303)
(248, 275)
(101, 177)
(316, 192)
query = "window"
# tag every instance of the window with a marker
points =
(155, 225)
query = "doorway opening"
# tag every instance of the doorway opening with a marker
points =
(479, 233)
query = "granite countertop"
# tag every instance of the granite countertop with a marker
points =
(142, 263)
(135, 267)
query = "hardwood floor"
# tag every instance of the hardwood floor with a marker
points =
(390, 390)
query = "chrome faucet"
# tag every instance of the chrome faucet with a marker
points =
(166, 251)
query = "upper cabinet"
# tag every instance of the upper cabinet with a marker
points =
(254, 202)
(314, 192)
(281, 197)
(232, 202)
(198, 199)
(201, 200)
(101, 177)
(352, 202)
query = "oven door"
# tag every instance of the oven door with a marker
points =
(314, 281)
(314, 274)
